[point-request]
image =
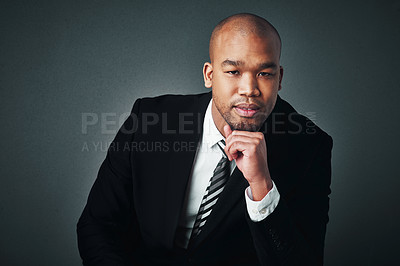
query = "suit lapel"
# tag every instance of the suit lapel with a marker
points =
(179, 168)
(276, 137)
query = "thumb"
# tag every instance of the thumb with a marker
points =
(227, 131)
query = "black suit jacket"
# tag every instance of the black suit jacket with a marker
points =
(134, 206)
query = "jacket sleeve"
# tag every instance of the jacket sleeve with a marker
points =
(294, 233)
(107, 229)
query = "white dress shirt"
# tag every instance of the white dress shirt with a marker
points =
(207, 158)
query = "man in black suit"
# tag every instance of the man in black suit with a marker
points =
(149, 203)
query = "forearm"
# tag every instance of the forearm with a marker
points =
(101, 244)
(105, 226)
(280, 239)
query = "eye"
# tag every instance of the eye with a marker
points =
(233, 72)
(264, 74)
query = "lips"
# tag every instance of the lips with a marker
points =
(246, 110)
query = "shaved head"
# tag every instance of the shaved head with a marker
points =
(244, 73)
(244, 24)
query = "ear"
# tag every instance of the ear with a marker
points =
(207, 74)
(280, 77)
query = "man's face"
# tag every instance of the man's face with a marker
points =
(245, 77)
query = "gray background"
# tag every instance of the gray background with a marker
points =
(60, 61)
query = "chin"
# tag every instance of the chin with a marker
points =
(244, 125)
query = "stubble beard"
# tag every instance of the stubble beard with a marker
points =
(244, 124)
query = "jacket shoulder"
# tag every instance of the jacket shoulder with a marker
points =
(299, 124)
(171, 102)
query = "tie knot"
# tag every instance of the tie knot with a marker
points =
(221, 144)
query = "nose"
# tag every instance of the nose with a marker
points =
(248, 86)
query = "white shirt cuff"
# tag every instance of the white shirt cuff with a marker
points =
(259, 210)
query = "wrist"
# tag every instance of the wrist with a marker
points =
(259, 189)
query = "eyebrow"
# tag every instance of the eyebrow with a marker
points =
(228, 62)
(268, 65)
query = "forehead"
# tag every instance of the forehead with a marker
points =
(247, 48)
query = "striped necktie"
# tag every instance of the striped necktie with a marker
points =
(214, 189)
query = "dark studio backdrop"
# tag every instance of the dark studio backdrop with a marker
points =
(70, 70)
